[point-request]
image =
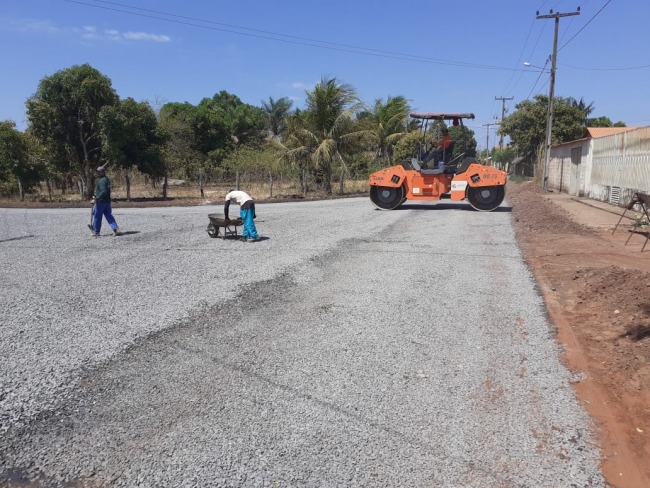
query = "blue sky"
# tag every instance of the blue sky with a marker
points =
(456, 55)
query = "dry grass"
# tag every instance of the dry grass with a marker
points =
(180, 191)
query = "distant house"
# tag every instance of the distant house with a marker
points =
(607, 164)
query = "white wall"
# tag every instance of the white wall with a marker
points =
(620, 161)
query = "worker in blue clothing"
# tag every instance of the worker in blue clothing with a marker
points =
(246, 212)
(102, 203)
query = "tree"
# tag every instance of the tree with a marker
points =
(325, 132)
(19, 168)
(526, 127)
(276, 113)
(409, 144)
(504, 157)
(407, 147)
(386, 124)
(465, 141)
(130, 137)
(603, 122)
(291, 149)
(260, 161)
(13, 155)
(64, 115)
(243, 123)
(585, 108)
(177, 122)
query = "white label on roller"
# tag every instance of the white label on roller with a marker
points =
(458, 185)
(416, 190)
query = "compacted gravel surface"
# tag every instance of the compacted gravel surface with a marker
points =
(349, 347)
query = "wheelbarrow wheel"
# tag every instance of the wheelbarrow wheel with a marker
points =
(213, 230)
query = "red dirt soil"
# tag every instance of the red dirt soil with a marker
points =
(597, 292)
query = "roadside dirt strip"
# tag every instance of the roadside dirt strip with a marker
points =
(351, 347)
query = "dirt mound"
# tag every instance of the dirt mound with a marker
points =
(597, 292)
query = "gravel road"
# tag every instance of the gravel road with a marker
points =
(350, 347)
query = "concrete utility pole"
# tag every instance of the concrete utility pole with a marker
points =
(551, 90)
(503, 114)
(487, 138)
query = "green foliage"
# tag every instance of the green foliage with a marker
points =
(253, 160)
(325, 133)
(407, 146)
(504, 156)
(465, 141)
(518, 178)
(179, 124)
(362, 164)
(64, 115)
(130, 136)
(276, 113)
(526, 127)
(603, 122)
(20, 170)
(200, 139)
(584, 108)
(243, 123)
(599, 122)
(639, 220)
(386, 123)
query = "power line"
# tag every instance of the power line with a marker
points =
(538, 77)
(583, 27)
(275, 36)
(607, 69)
(530, 30)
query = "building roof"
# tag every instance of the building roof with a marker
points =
(595, 132)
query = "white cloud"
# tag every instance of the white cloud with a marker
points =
(302, 86)
(87, 32)
(113, 35)
(32, 25)
(144, 36)
(90, 33)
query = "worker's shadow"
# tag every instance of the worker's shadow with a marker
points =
(130, 232)
(234, 238)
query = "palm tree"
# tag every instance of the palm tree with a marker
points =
(325, 132)
(583, 107)
(387, 123)
(276, 113)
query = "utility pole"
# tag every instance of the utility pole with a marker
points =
(487, 138)
(503, 115)
(551, 90)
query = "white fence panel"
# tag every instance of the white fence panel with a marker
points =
(620, 163)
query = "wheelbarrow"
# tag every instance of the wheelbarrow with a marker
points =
(222, 227)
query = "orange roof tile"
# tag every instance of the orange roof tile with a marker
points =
(606, 131)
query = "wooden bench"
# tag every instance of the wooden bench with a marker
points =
(643, 200)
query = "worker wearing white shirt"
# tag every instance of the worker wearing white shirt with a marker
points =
(246, 212)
